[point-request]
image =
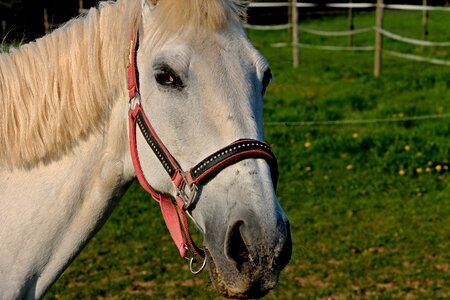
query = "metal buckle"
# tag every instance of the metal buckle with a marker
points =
(134, 101)
(187, 199)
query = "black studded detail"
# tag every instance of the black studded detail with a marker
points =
(237, 151)
(208, 168)
(154, 145)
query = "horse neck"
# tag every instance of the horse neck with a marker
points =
(63, 102)
(60, 89)
(51, 211)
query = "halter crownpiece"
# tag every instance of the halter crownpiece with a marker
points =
(175, 210)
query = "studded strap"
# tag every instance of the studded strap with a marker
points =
(164, 156)
(231, 154)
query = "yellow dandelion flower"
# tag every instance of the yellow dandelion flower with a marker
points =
(419, 170)
(446, 168)
(307, 145)
(355, 135)
(428, 170)
(350, 167)
(407, 148)
(438, 168)
(401, 172)
(308, 168)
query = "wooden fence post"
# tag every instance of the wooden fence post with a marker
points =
(3, 31)
(351, 25)
(378, 39)
(46, 23)
(424, 21)
(290, 19)
(295, 45)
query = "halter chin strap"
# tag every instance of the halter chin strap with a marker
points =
(175, 209)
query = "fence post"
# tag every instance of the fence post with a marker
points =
(350, 24)
(3, 30)
(290, 19)
(295, 45)
(378, 38)
(46, 24)
(424, 21)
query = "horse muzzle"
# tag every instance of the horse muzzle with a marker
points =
(252, 257)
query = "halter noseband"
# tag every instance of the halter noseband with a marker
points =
(175, 210)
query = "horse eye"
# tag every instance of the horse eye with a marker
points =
(168, 78)
(267, 77)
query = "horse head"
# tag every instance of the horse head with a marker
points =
(201, 84)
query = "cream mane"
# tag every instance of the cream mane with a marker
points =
(209, 15)
(59, 89)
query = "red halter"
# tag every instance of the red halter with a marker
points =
(175, 210)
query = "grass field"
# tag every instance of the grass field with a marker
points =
(369, 203)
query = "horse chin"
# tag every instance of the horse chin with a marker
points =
(244, 282)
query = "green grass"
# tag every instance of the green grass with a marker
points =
(369, 204)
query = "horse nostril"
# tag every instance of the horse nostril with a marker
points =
(236, 249)
(245, 249)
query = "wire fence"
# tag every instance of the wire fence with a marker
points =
(360, 121)
(378, 30)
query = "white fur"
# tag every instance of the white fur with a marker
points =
(53, 203)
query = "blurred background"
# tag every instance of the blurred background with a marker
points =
(25, 20)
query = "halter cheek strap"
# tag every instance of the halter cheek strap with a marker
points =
(174, 209)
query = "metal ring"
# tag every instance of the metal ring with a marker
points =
(191, 266)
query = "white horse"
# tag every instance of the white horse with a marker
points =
(64, 139)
